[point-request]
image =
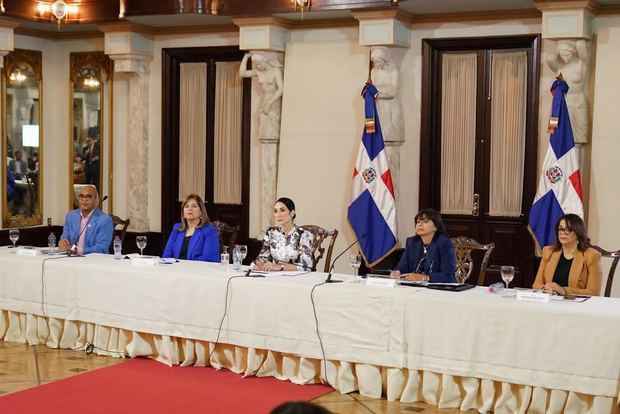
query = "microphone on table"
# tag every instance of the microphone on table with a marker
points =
(103, 199)
(331, 269)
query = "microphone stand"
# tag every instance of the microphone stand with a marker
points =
(331, 269)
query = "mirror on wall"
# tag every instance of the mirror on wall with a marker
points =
(22, 138)
(90, 96)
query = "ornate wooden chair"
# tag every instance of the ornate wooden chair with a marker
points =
(464, 262)
(612, 270)
(117, 221)
(227, 234)
(320, 234)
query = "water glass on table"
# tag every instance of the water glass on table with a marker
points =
(508, 273)
(236, 262)
(14, 236)
(225, 258)
(355, 260)
(141, 243)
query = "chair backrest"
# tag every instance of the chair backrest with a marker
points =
(319, 235)
(117, 221)
(610, 278)
(227, 234)
(464, 262)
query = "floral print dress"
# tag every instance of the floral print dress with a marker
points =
(294, 247)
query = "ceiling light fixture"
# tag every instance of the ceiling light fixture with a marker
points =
(57, 10)
(301, 5)
(91, 83)
(17, 76)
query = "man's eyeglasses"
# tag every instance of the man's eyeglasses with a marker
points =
(85, 196)
(565, 230)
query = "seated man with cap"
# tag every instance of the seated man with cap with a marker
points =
(87, 229)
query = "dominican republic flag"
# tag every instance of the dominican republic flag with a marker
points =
(559, 188)
(372, 212)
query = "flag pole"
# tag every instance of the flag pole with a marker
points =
(369, 81)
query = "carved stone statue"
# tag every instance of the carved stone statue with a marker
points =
(571, 59)
(384, 76)
(267, 68)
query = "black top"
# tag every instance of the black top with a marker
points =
(562, 270)
(186, 240)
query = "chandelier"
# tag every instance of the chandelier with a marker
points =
(57, 10)
(17, 76)
(91, 83)
(301, 5)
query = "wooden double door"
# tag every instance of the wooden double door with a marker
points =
(479, 143)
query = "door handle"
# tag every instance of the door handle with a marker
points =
(475, 211)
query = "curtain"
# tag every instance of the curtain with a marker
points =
(192, 129)
(508, 106)
(227, 146)
(458, 132)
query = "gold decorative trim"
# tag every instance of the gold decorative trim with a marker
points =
(98, 61)
(34, 58)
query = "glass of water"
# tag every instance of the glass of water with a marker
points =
(141, 243)
(14, 236)
(243, 252)
(508, 273)
(224, 258)
(355, 260)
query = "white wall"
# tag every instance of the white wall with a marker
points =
(322, 118)
(603, 221)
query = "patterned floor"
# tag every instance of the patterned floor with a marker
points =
(23, 367)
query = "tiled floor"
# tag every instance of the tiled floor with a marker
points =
(23, 367)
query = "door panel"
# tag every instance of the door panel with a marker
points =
(503, 149)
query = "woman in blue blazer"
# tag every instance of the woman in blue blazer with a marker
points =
(429, 255)
(194, 238)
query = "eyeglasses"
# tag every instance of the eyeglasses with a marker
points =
(85, 196)
(565, 230)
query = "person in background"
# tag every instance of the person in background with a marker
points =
(285, 246)
(429, 255)
(18, 166)
(193, 238)
(570, 266)
(91, 154)
(87, 229)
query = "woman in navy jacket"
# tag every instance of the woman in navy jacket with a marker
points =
(430, 254)
(194, 238)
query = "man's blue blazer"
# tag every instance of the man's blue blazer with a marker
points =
(98, 233)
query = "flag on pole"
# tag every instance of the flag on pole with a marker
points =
(372, 212)
(559, 187)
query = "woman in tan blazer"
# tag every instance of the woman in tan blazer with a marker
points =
(570, 266)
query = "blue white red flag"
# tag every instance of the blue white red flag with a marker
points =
(372, 212)
(559, 188)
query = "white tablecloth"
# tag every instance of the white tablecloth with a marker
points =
(402, 335)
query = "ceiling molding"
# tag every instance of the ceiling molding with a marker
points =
(219, 28)
(555, 5)
(608, 9)
(324, 24)
(9, 23)
(262, 20)
(392, 12)
(48, 34)
(456, 17)
(126, 26)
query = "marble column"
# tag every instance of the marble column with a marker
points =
(269, 177)
(137, 68)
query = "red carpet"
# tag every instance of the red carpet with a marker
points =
(145, 386)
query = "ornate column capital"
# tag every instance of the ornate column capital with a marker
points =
(567, 18)
(262, 33)
(131, 63)
(7, 29)
(130, 45)
(387, 27)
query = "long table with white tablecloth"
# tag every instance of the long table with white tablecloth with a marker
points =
(468, 350)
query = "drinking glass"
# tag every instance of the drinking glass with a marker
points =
(355, 260)
(224, 258)
(243, 252)
(141, 243)
(508, 273)
(14, 236)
